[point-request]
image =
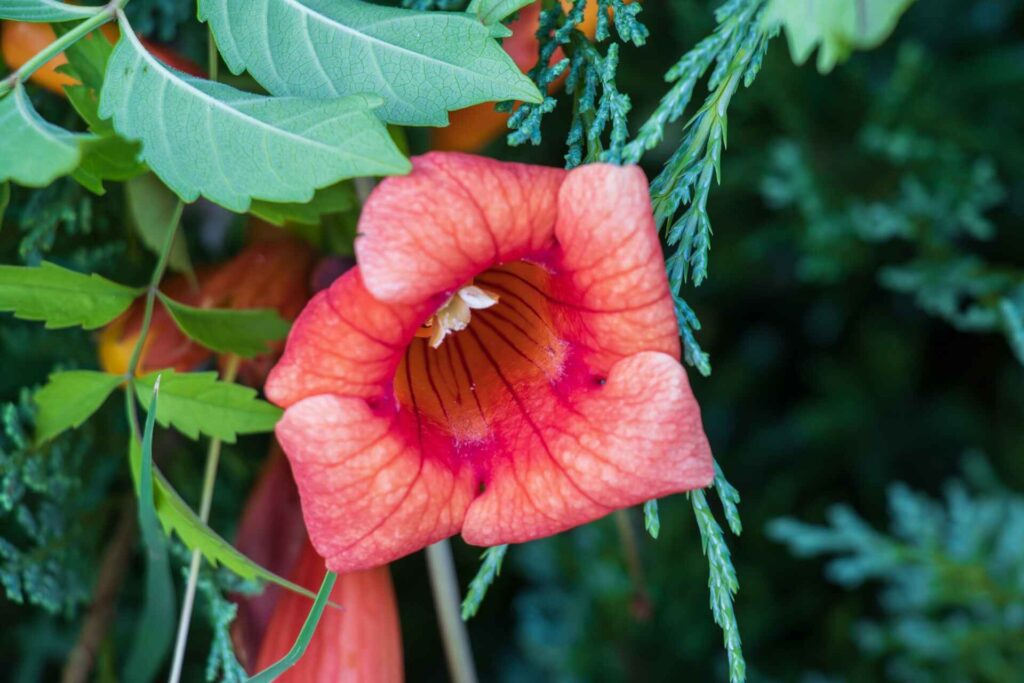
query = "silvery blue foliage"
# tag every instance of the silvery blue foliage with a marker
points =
(951, 572)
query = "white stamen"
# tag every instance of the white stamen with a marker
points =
(456, 313)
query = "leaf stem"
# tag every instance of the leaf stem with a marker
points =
(212, 56)
(205, 502)
(445, 587)
(154, 285)
(102, 16)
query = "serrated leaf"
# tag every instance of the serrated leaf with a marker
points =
(108, 156)
(205, 138)
(62, 297)
(197, 403)
(69, 399)
(151, 208)
(48, 11)
(176, 516)
(493, 11)
(243, 332)
(424, 64)
(87, 58)
(838, 26)
(334, 199)
(34, 152)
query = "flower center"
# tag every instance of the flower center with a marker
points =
(457, 387)
(456, 313)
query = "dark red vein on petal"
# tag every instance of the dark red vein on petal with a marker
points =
(469, 380)
(497, 314)
(511, 345)
(430, 379)
(529, 420)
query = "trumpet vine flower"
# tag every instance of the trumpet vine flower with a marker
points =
(359, 643)
(554, 396)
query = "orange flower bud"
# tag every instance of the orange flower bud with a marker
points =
(361, 643)
(21, 40)
(165, 347)
(272, 534)
(268, 274)
(472, 128)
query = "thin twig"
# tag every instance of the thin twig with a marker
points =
(116, 558)
(445, 586)
(206, 500)
(641, 606)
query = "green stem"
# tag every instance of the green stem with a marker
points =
(22, 73)
(133, 364)
(205, 502)
(212, 56)
(641, 605)
(445, 586)
(154, 285)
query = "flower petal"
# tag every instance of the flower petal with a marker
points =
(637, 437)
(272, 534)
(345, 342)
(611, 277)
(359, 643)
(454, 216)
(369, 493)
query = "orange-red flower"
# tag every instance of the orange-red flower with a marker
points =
(360, 643)
(272, 273)
(272, 534)
(563, 401)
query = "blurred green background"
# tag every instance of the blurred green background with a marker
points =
(867, 258)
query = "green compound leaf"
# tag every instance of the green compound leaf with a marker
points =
(109, 156)
(196, 403)
(47, 11)
(61, 297)
(106, 157)
(205, 138)
(652, 521)
(176, 516)
(334, 199)
(722, 584)
(244, 332)
(489, 570)
(838, 26)
(69, 399)
(151, 208)
(34, 152)
(424, 64)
